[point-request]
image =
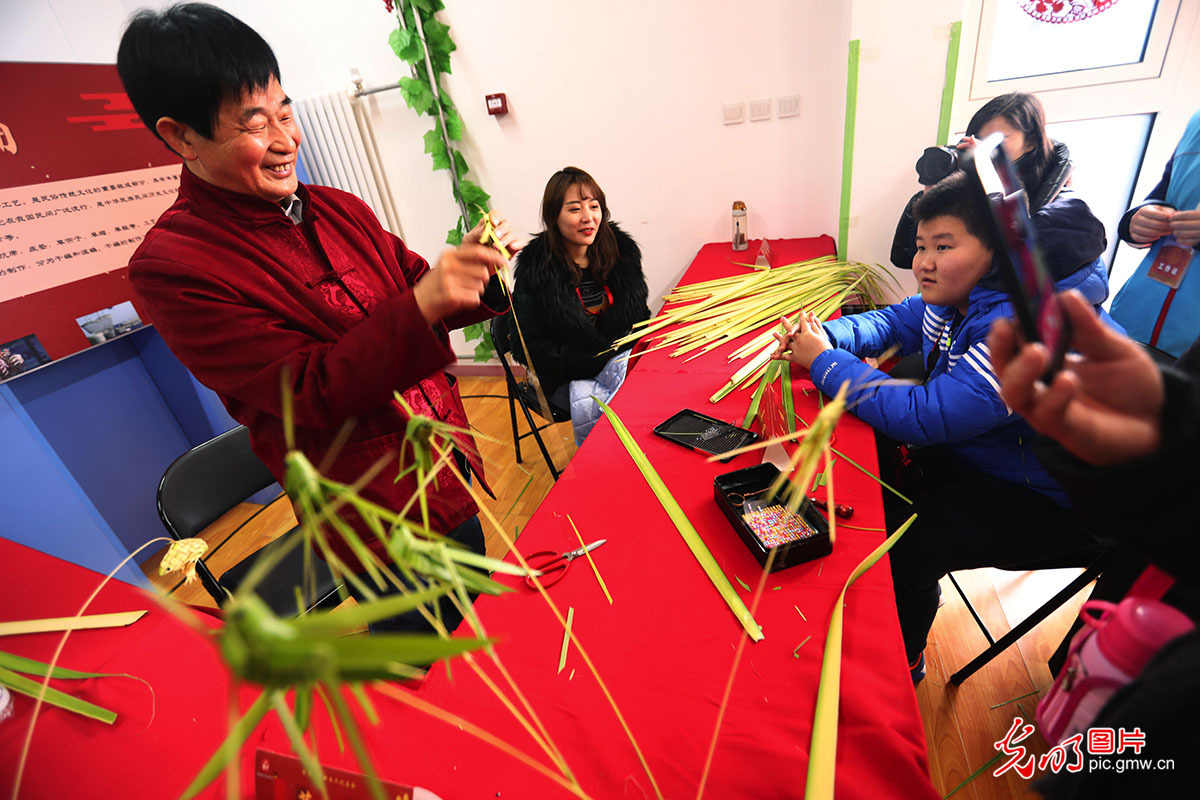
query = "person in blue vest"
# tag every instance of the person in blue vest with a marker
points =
(1159, 305)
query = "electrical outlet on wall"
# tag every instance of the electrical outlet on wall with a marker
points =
(760, 109)
(788, 106)
(733, 113)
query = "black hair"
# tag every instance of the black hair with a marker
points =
(956, 196)
(186, 61)
(1025, 113)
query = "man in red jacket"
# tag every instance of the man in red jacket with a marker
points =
(253, 278)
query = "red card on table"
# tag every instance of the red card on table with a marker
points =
(280, 776)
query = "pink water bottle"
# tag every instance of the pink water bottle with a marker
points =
(1103, 657)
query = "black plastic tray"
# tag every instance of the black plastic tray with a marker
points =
(730, 489)
(704, 434)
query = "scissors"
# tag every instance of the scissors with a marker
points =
(553, 566)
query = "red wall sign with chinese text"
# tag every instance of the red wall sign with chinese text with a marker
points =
(81, 181)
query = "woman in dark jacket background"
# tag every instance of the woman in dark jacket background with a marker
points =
(1069, 233)
(579, 286)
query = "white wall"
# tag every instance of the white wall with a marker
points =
(632, 92)
(902, 70)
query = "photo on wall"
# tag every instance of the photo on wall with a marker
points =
(20, 356)
(109, 323)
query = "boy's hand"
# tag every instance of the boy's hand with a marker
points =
(804, 341)
(784, 340)
(1150, 223)
(457, 282)
(1104, 405)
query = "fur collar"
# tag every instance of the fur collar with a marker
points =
(539, 264)
(545, 282)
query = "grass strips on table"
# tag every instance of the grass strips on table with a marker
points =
(822, 751)
(587, 660)
(756, 398)
(705, 315)
(684, 526)
(796, 652)
(465, 725)
(588, 553)
(566, 642)
(789, 402)
(737, 658)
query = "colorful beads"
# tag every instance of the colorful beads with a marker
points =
(777, 525)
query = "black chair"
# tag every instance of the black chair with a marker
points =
(1095, 559)
(522, 393)
(209, 480)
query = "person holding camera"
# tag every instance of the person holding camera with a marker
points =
(1069, 233)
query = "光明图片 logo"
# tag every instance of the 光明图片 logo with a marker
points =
(1096, 752)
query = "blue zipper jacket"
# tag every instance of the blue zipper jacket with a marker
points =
(959, 406)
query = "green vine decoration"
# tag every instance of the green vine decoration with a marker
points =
(424, 43)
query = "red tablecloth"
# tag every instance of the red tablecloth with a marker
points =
(665, 647)
(163, 733)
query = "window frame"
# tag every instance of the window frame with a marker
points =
(1167, 17)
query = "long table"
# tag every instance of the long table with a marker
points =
(665, 647)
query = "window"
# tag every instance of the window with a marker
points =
(1125, 41)
(1118, 87)
(1026, 46)
(1108, 153)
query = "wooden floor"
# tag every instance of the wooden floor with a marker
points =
(961, 723)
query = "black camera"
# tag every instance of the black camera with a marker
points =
(936, 163)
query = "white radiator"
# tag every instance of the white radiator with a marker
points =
(339, 150)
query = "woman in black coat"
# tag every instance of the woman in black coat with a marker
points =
(579, 286)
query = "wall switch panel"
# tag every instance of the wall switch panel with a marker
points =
(734, 113)
(760, 109)
(788, 106)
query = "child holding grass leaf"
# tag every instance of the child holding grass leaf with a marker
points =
(980, 494)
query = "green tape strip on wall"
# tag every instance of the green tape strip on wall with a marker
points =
(943, 133)
(848, 147)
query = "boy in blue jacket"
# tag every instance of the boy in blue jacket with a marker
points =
(982, 497)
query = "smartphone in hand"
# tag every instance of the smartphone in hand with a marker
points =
(1022, 267)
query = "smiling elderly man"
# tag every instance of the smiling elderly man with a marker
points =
(257, 281)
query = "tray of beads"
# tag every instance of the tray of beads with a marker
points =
(763, 520)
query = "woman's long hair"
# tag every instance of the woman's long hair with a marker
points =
(1025, 113)
(602, 253)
